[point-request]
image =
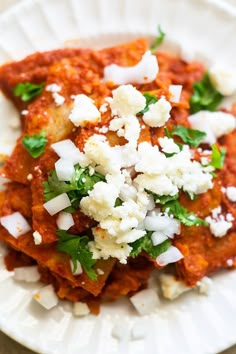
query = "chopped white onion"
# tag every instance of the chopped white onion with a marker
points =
(64, 169)
(170, 256)
(143, 72)
(65, 220)
(46, 297)
(79, 269)
(37, 238)
(67, 150)
(163, 224)
(57, 204)
(145, 301)
(80, 309)
(27, 274)
(158, 237)
(15, 224)
(175, 91)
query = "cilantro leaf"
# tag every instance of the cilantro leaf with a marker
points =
(189, 219)
(35, 144)
(27, 91)
(79, 186)
(158, 40)
(145, 244)
(150, 99)
(77, 248)
(162, 199)
(190, 136)
(217, 156)
(205, 96)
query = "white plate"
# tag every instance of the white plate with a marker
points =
(193, 324)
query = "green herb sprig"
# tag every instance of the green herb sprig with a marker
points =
(35, 144)
(27, 91)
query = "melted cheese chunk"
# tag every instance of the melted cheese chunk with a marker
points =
(144, 72)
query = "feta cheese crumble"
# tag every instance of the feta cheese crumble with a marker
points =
(158, 113)
(231, 193)
(219, 225)
(84, 111)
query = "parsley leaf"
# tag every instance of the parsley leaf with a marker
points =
(162, 199)
(79, 186)
(189, 219)
(27, 91)
(205, 96)
(145, 244)
(217, 156)
(77, 248)
(158, 40)
(150, 99)
(35, 144)
(190, 136)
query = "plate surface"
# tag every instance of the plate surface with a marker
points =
(194, 324)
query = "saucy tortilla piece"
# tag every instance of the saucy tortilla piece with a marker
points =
(203, 253)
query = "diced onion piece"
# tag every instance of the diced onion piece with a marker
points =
(170, 256)
(145, 301)
(65, 220)
(67, 150)
(64, 169)
(57, 204)
(175, 91)
(46, 297)
(144, 72)
(79, 269)
(37, 238)
(81, 309)
(28, 274)
(15, 224)
(158, 238)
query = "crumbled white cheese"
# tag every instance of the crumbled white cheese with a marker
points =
(29, 177)
(84, 111)
(100, 201)
(168, 145)
(204, 285)
(104, 107)
(126, 101)
(158, 113)
(101, 156)
(24, 112)
(218, 223)
(214, 124)
(231, 193)
(128, 127)
(175, 91)
(158, 184)
(104, 246)
(54, 88)
(223, 79)
(230, 262)
(151, 160)
(80, 309)
(171, 287)
(100, 271)
(143, 72)
(58, 99)
(37, 238)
